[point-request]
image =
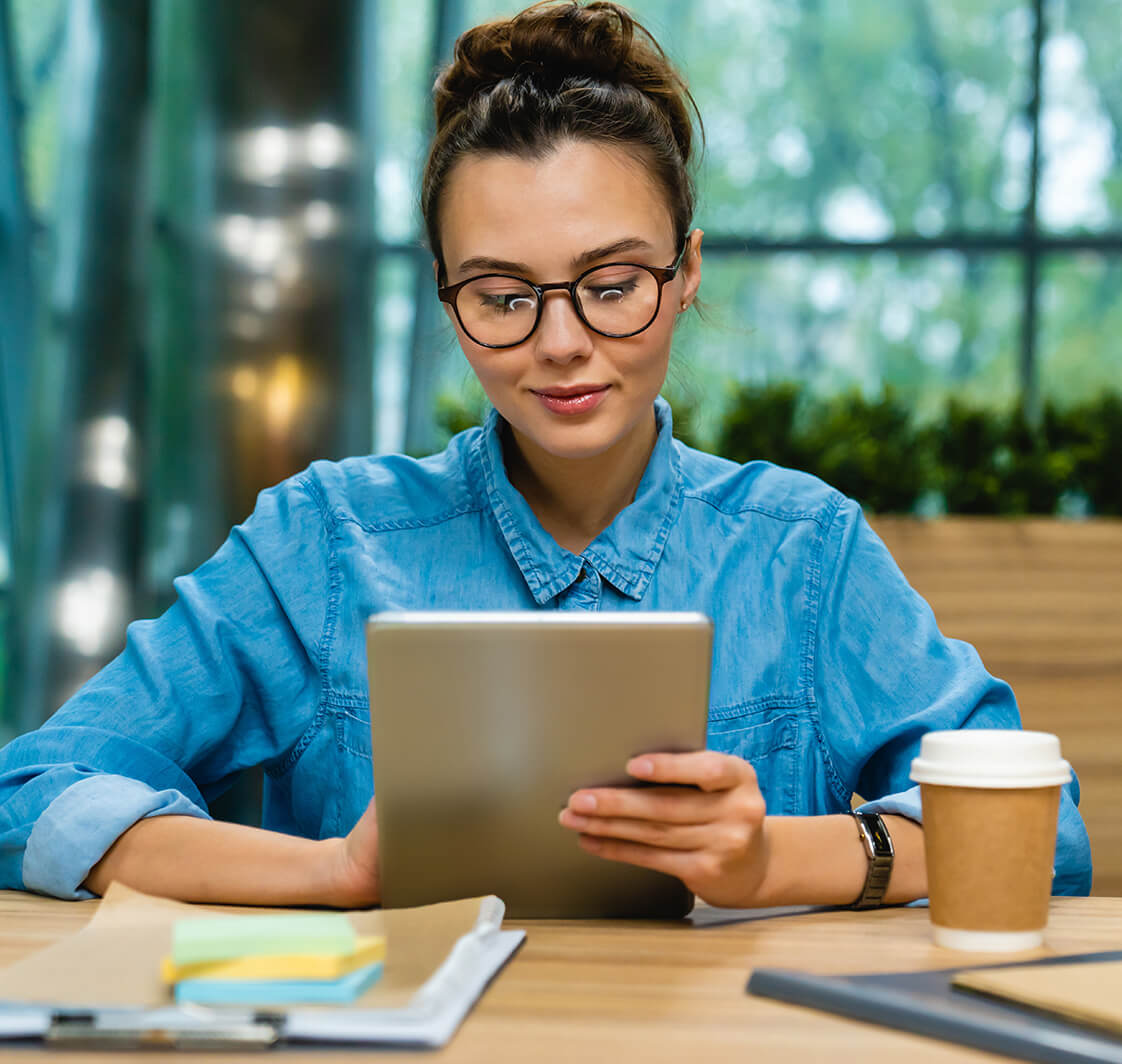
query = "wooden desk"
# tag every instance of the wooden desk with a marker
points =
(584, 992)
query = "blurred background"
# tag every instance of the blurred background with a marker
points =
(211, 270)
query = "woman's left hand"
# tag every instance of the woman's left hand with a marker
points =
(710, 833)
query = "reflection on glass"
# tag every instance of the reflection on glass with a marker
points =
(393, 320)
(90, 610)
(260, 328)
(925, 325)
(1081, 117)
(1081, 322)
(858, 121)
(107, 455)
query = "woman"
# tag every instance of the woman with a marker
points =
(557, 197)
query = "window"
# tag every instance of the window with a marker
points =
(926, 195)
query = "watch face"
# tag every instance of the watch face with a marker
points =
(880, 836)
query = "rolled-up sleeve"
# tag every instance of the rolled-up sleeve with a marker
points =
(74, 831)
(226, 679)
(885, 675)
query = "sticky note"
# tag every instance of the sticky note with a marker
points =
(368, 949)
(216, 938)
(278, 991)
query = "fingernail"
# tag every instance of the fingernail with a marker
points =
(583, 803)
(569, 819)
(641, 767)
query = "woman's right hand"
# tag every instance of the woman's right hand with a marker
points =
(357, 875)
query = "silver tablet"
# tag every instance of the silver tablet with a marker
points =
(485, 722)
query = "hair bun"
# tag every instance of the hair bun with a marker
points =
(563, 70)
(546, 44)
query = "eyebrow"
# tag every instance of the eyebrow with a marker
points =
(586, 258)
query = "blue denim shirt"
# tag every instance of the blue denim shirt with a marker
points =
(827, 666)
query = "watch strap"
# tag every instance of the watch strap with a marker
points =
(878, 847)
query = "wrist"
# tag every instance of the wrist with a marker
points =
(765, 877)
(348, 884)
(810, 860)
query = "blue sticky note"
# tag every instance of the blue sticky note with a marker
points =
(278, 991)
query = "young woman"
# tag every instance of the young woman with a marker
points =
(558, 202)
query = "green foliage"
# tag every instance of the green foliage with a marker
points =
(867, 448)
(1090, 436)
(979, 461)
(760, 423)
(457, 412)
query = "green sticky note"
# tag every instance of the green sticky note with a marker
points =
(219, 938)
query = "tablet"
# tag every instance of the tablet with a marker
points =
(484, 723)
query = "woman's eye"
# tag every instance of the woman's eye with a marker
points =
(507, 302)
(615, 293)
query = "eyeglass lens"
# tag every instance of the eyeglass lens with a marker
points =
(616, 300)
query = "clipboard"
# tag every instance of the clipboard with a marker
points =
(101, 987)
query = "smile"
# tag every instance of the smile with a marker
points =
(578, 399)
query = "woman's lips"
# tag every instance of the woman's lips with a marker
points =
(567, 401)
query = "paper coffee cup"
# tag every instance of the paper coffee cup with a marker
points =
(990, 805)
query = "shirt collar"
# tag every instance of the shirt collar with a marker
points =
(625, 553)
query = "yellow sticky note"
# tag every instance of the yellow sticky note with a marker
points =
(368, 949)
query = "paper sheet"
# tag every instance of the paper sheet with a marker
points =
(115, 959)
(1084, 993)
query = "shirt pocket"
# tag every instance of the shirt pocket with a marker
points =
(354, 783)
(352, 733)
(769, 742)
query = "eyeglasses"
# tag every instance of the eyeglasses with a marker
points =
(618, 299)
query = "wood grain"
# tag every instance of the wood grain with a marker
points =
(1042, 601)
(615, 991)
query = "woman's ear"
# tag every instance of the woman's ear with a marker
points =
(691, 268)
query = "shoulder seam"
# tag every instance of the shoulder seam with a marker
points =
(403, 525)
(333, 516)
(820, 518)
(810, 648)
(330, 527)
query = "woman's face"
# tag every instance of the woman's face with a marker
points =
(566, 389)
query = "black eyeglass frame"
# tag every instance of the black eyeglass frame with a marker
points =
(662, 274)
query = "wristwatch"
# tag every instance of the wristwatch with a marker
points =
(878, 845)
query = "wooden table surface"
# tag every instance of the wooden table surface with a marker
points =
(616, 991)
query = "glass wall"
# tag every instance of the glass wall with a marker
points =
(892, 195)
(924, 195)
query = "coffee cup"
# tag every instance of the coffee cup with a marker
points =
(990, 805)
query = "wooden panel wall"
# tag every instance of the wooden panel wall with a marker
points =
(1042, 602)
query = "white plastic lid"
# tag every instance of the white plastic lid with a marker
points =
(990, 757)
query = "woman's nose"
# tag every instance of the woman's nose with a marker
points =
(561, 336)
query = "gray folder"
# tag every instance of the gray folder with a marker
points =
(925, 1003)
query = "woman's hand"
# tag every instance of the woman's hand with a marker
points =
(711, 833)
(357, 878)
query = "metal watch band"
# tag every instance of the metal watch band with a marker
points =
(878, 847)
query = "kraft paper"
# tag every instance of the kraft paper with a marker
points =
(115, 959)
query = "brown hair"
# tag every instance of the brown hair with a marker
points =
(560, 71)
